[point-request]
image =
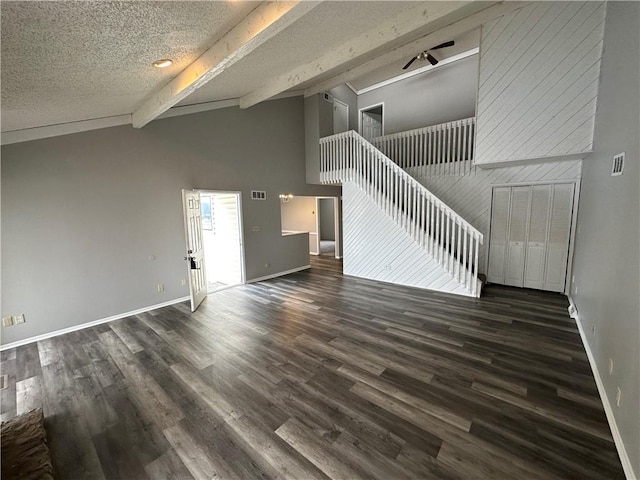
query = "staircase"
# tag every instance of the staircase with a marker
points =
(447, 242)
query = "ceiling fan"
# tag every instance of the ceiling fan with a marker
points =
(427, 56)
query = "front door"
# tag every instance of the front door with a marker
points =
(195, 247)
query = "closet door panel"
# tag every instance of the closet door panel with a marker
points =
(537, 238)
(558, 239)
(518, 220)
(499, 234)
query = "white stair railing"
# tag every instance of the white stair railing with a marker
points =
(444, 149)
(441, 232)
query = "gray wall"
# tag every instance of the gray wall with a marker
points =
(348, 96)
(437, 96)
(299, 214)
(82, 214)
(327, 219)
(607, 250)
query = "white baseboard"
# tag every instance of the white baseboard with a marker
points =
(617, 438)
(279, 274)
(93, 323)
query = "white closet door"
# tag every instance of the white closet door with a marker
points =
(499, 234)
(559, 231)
(518, 220)
(537, 238)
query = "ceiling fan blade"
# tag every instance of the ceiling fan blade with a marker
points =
(432, 59)
(450, 43)
(409, 63)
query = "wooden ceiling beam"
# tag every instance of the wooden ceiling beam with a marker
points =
(405, 52)
(262, 24)
(413, 21)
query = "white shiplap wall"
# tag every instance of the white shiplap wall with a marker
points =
(538, 82)
(470, 195)
(375, 247)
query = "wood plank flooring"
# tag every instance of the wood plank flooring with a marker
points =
(314, 376)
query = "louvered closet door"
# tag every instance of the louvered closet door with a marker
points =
(518, 220)
(499, 234)
(530, 233)
(537, 239)
(559, 234)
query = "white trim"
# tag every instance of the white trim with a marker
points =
(36, 133)
(425, 69)
(279, 274)
(351, 87)
(93, 323)
(617, 438)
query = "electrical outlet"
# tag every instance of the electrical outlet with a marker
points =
(18, 319)
(611, 366)
(255, 228)
(160, 287)
(618, 397)
(184, 282)
(7, 321)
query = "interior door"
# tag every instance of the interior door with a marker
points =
(518, 222)
(537, 238)
(195, 247)
(559, 233)
(340, 116)
(499, 234)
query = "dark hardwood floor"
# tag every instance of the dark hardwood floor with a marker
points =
(316, 375)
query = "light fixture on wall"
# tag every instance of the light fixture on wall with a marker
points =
(285, 197)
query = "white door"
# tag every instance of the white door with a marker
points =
(340, 116)
(530, 235)
(195, 247)
(559, 235)
(371, 125)
(499, 234)
(518, 220)
(537, 238)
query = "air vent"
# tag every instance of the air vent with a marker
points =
(618, 165)
(328, 97)
(258, 195)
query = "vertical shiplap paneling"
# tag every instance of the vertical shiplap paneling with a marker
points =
(538, 82)
(377, 248)
(470, 195)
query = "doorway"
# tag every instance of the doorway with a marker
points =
(371, 121)
(222, 239)
(327, 226)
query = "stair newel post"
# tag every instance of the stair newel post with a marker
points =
(475, 264)
(471, 249)
(415, 209)
(459, 228)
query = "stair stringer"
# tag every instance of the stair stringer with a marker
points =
(377, 248)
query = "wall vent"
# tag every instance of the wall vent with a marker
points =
(4, 382)
(258, 195)
(618, 165)
(328, 97)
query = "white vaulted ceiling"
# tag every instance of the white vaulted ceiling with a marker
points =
(68, 61)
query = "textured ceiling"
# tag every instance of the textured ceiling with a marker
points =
(326, 27)
(65, 61)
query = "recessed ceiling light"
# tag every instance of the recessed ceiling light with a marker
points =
(165, 62)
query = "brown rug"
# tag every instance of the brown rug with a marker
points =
(25, 454)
